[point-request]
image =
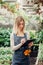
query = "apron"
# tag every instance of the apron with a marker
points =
(18, 57)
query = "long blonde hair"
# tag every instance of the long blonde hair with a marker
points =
(16, 24)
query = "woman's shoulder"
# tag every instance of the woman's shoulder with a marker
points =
(27, 34)
(12, 35)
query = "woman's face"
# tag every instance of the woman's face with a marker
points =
(21, 25)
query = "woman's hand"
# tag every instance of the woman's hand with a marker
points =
(23, 41)
(30, 44)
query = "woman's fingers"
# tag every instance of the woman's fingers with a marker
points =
(30, 44)
(23, 40)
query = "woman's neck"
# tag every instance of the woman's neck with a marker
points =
(20, 33)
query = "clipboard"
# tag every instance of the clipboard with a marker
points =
(28, 41)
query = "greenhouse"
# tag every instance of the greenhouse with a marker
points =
(30, 11)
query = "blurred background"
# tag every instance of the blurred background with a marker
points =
(32, 12)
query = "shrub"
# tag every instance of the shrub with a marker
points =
(5, 37)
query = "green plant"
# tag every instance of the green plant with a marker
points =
(4, 51)
(40, 36)
(5, 37)
(32, 35)
(5, 55)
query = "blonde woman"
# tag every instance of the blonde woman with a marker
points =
(17, 40)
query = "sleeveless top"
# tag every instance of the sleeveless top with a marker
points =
(18, 55)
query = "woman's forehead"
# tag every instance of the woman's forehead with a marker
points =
(22, 21)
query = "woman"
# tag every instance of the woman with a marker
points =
(17, 40)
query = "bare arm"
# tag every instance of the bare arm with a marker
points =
(13, 47)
